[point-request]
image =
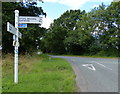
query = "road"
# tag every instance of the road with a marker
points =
(94, 74)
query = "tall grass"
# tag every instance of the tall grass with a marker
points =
(38, 73)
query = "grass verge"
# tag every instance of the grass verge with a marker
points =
(38, 73)
(93, 56)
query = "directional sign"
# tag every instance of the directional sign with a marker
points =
(22, 25)
(13, 30)
(30, 19)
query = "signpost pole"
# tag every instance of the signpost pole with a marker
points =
(15, 30)
(16, 48)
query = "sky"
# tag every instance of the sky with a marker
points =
(55, 8)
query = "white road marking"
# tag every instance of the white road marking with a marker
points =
(89, 66)
(102, 65)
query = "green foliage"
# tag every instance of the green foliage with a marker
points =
(74, 32)
(38, 74)
(31, 36)
(86, 33)
(31, 39)
(53, 41)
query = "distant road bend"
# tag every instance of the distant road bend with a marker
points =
(94, 74)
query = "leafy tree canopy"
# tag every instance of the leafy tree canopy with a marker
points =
(31, 36)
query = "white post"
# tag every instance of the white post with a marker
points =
(16, 49)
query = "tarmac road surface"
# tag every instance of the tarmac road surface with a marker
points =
(94, 74)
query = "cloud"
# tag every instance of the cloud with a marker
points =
(46, 22)
(95, 6)
(75, 4)
(101, 0)
(51, 1)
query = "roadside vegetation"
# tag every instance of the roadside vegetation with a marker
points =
(38, 73)
(75, 32)
(93, 56)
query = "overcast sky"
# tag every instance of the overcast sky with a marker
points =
(54, 8)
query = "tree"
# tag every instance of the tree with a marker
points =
(61, 31)
(81, 37)
(31, 36)
(106, 31)
(96, 32)
(53, 41)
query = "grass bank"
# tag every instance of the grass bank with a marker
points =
(92, 56)
(38, 73)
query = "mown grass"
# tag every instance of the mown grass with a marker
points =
(38, 73)
(93, 56)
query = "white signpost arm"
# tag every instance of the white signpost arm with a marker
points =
(16, 48)
(15, 31)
